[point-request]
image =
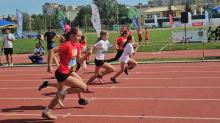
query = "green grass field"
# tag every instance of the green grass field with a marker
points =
(159, 38)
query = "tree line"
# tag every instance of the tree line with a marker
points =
(111, 12)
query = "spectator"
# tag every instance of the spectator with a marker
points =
(217, 33)
(146, 36)
(37, 58)
(49, 36)
(140, 36)
(8, 40)
(2, 49)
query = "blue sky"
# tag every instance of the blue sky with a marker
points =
(35, 6)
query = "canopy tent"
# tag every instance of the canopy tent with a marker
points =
(216, 9)
(7, 24)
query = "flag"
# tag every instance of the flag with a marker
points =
(206, 17)
(132, 14)
(62, 19)
(171, 20)
(96, 19)
(135, 22)
(20, 23)
(155, 19)
(190, 18)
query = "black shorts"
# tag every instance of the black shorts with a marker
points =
(8, 51)
(60, 76)
(50, 46)
(99, 63)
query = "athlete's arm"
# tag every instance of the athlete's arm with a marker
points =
(51, 56)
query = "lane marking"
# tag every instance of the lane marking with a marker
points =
(66, 115)
(132, 99)
(125, 116)
(125, 87)
(133, 72)
(125, 78)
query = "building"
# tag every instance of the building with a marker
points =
(163, 11)
(155, 3)
(216, 2)
(53, 8)
(141, 5)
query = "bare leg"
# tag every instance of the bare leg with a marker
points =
(122, 64)
(108, 69)
(11, 59)
(7, 59)
(132, 63)
(76, 86)
(95, 75)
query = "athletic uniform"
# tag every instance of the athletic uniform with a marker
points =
(102, 48)
(146, 36)
(128, 50)
(120, 42)
(67, 52)
(75, 66)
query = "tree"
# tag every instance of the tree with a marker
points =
(123, 15)
(83, 18)
(188, 7)
(107, 10)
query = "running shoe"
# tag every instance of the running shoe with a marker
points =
(43, 85)
(83, 101)
(113, 80)
(48, 116)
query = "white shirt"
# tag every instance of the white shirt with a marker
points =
(39, 51)
(7, 43)
(128, 50)
(102, 48)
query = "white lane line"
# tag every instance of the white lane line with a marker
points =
(125, 78)
(118, 87)
(133, 72)
(139, 72)
(26, 75)
(126, 116)
(131, 99)
(66, 115)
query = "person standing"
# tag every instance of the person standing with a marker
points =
(8, 40)
(146, 36)
(49, 36)
(140, 36)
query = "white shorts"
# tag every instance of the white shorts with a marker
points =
(124, 59)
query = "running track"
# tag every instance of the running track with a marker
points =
(152, 93)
